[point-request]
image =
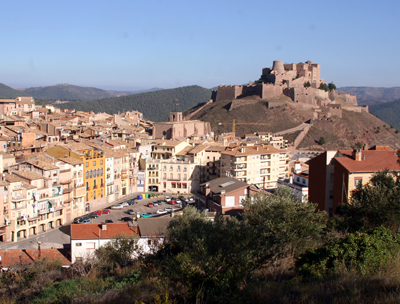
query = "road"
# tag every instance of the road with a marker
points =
(60, 237)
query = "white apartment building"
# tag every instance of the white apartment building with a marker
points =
(261, 165)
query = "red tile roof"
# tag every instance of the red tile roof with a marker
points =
(371, 161)
(10, 257)
(94, 231)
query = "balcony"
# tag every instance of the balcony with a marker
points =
(65, 182)
(18, 197)
(78, 192)
(43, 211)
(68, 190)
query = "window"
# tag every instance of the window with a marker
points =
(357, 182)
(90, 245)
(101, 161)
(173, 185)
(94, 163)
(332, 177)
(149, 242)
(87, 164)
(331, 194)
(90, 174)
(78, 244)
(87, 174)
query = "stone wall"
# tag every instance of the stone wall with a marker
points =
(229, 92)
(270, 90)
(352, 99)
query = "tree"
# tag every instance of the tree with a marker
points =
(120, 250)
(215, 258)
(364, 252)
(282, 225)
(324, 86)
(331, 86)
(374, 204)
(322, 140)
(307, 84)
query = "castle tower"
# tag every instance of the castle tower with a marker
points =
(278, 66)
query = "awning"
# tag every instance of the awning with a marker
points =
(173, 183)
(184, 183)
(52, 203)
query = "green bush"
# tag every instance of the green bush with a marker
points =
(365, 253)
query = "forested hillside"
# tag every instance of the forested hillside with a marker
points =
(8, 92)
(155, 105)
(388, 112)
(70, 92)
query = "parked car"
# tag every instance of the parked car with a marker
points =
(132, 202)
(131, 212)
(145, 215)
(178, 201)
(109, 221)
(150, 205)
(124, 204)
(106, 211)
(169, 209)
(161, 211)
(127, 219)
(86, 221)
(117, 207)
(81, 219)
(191, 199)
(182, 198)
(156, 203)
(93, 215)
(172, 202)
(167, 198)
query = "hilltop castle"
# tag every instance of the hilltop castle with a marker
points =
(289, 79)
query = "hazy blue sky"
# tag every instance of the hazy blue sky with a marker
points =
(128, 45)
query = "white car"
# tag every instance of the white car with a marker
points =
(169, 209)
(161, 211)
(117, 207)
(191, 199)
(167, 199)
(178, 201)
(124, 204)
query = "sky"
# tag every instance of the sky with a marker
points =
(135, 45)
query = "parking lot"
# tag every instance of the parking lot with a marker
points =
(139, 208)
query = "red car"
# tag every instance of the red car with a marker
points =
(172, 202)
(98, 212)
(150, 205)
(105, 211)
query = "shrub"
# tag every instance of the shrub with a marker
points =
(365, 253)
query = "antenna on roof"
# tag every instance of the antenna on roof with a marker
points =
(176, 104)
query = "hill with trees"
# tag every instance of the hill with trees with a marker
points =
(388, 112)
(9, 93)
(155, 105)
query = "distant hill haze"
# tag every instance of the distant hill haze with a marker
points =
(372, 95)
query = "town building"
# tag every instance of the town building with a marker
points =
(261, 165)
(334, 175)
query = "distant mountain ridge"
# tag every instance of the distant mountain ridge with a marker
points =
(155, 105)
(372, 95)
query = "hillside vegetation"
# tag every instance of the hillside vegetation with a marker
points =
(8, 92)
(70, 92)
(155, 105)
(388, 112)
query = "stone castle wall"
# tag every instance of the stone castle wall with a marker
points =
(269, 90)
(229, 92)
(309, 96)
(352, 99)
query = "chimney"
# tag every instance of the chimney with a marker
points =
(357, 154)
(207, 189)
(365, 147)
